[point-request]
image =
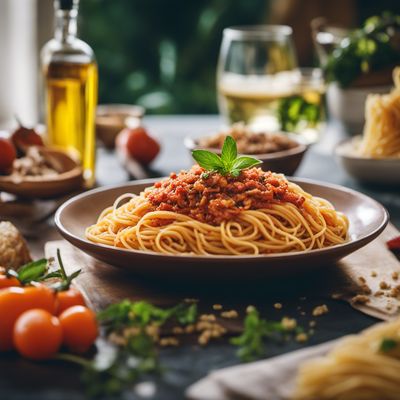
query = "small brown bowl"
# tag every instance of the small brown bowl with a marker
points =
(68, 180)
(284, 162)
(112, 118)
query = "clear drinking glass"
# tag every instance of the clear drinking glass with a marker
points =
(259, 83)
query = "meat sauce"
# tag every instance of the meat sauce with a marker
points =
(214, 198)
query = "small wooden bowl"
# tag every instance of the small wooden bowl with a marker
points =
(284, 162)
(68, 180)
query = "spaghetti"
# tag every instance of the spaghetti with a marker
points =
(364, 366)
(206, 213)
(381, 137)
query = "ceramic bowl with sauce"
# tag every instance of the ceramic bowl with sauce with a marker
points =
(285, 161)
(112, 118)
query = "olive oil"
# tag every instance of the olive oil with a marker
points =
(70, 90)
(71, 95)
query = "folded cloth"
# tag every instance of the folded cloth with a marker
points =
(271, 379)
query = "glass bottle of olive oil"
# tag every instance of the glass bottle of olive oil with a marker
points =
(70, 79)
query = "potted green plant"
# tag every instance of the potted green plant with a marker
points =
(361, 63)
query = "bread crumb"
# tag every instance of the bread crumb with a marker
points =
(169, 341)
(312, 323)
(378, 293)
(217, 307)
(278, 306)
(207, 317)
(366, 289)
(288, 323)
(231, 314)
(177, 330)
(320, 310)
(361, 279)
(374, 274)
(384, 285)
(301, 337)
(395, 275)
(360, 299)
(250, 309)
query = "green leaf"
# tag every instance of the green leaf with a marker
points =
(208, 160)
(32, 271)
(229, 152)
(244, 162)
(388, 344)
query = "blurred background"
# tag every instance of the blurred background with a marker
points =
(156, 53)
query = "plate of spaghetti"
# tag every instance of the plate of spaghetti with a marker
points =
(374, 157)
(223, 213)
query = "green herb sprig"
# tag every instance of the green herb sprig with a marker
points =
(228, 163)
(251, 343)
(387, 345)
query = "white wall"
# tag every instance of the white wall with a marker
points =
(24, 26)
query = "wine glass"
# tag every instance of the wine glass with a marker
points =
(259, 82)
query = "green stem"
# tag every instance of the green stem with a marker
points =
(60, 263)
(72, 358)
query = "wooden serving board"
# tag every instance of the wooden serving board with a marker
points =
(103, 284)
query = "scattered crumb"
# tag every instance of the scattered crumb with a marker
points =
(395, 292)
(320, 310)
(395, 275)
(366, 289)
(361, 279)
(229, 314)
(207, 317)
(312, 323)
(384, 285)
(336, 296)
(374, 274)
(360, 299)
(378, 293)
(288, 323)
(189, 329)
(191, 300)
(301, 337)
(169, 341)
(217, 307)
(389, 307)
(177, 330)
(278, 306)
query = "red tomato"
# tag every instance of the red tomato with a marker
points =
(79, 328)
(394, 244)
(142, 147)
(69, 298)
(14, 301)
(7, 155)
(23, 137)
(37, 334)
(6, 282)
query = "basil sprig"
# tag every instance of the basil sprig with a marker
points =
(226, 164)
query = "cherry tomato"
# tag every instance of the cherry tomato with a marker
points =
(6, 282)
(69, 298)
(7, 155)
(16, 300)
(37, 334)
(79, 328)
(142, 147)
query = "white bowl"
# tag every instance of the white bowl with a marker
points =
(348, 105)
(384, 171)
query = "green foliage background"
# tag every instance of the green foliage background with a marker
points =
(162, 54)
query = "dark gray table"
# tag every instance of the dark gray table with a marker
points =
(20, 379)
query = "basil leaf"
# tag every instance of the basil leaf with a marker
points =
(387, 345)
(229, 152)
(208, 160)
(244, 162)
(32, 271)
